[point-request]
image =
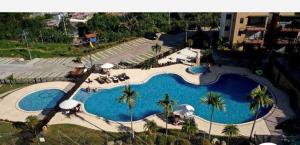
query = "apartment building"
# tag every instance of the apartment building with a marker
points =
(247, 30)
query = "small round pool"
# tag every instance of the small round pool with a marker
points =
(197, 69)
(41, 100)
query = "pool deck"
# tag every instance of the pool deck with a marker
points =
(265, 126)
(9, 105)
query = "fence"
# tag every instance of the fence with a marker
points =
(34, 80)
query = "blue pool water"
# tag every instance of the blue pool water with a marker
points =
(40, 100)
(234, 89)
(197, 69)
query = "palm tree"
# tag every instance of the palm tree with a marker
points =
(167, 104)
(11, 80)
(156, 48)
(222, 44)
(230, 130)
(260, 99)
(215, 100)
(190, 127)
(31, 122)
(78, 59)
(151, 127)
(129, 97)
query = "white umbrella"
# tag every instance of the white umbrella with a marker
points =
(184, 110)
(68, 104)
(268, 143)
(107, 66)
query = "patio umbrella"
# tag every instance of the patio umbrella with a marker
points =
(68, 104)
(268, 143)
(107, 66)
(184, 110)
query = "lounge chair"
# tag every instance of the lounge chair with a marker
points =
(125, 76)
(114, 79)
(107, 80)
(100, 80)
(121, 78)
(89, 80)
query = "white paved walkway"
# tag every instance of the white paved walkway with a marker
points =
(139, 76)
(9, 105)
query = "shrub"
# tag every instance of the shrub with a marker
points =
(161, 140)
(206, 142)
(182, 141)
(145, 139)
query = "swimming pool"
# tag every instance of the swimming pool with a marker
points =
(40, 100)
(197, 69)
(234, 89)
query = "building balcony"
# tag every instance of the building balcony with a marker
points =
(253, 41)
(255, 28)
(286, 41)
(290, 29)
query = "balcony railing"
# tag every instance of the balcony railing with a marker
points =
(254, 41)
(290, 29)
(286, 41)
(255, 28)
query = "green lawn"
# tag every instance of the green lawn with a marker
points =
(9, 48)
(67, 134)
(7, 133)
(6, 87)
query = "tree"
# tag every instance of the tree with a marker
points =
(151, 127)
(222, 44)
(129, 97)
(78, 59)
(31, 122)
(190, 42)
(229, 131)
(156, 48)
(167, 105)
(189, 126)
(215, 101)
(260, 99)
(11, 80)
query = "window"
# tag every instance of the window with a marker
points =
(228, 16)
(240, 33)
(257, 21)
(227, 28)
(242, 20)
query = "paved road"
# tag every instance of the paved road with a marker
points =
(134, 52)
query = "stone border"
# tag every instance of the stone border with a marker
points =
(17, 103)
(162, 72)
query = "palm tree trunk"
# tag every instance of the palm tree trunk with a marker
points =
(132, 132)
(256, 115)
(189, 129)
(167, 124)
(211, 119)
(228, 140)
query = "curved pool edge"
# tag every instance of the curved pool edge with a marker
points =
(198, 117)
(17, 103)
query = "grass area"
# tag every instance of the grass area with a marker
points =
(6, 87)
(7, 133)
(9, 48)
(68, 134)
